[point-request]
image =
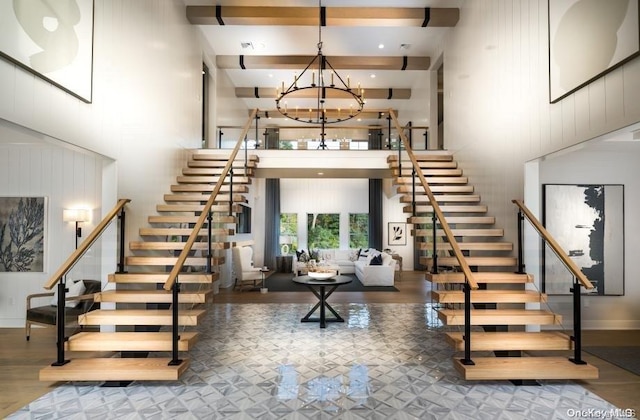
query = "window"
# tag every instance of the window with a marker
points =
(323, 230)
(358, 230)
(288, 232)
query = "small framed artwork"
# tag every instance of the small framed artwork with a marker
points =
(397, 233)
(22, 227)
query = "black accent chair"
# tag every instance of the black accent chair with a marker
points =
(47, 315)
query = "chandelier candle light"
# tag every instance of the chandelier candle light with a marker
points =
(336, 91)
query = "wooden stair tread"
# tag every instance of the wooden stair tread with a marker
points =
(140, 317)
(197, 261)
(208, 176)
(507, 368)
(216, 218)
(148, 277)
(460, 189)
(407, 171)
(217, 154)
(470, 246)
(459, 232)
(427, 165)
(477, 261)
(115, 369)
(500, 317)
(204, 163)
(422, 157)
(220, 198)
(172, 231)
(130, 341)
(448, 209)
(208, 188)
(196, 208)
(441, 198)
(489, 296)
(516, 340)
(472, 220)
(173, 246)
(152, 296)
(481, 277)
(433, 180)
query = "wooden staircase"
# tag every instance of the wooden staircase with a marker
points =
(505, 303)
(142, 316)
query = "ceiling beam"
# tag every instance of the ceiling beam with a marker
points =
(296, 62)
(372, 93)
(335, 16)
(368, 114)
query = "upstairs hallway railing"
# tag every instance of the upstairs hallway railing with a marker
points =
(59, 276)
(580, 280)
(470, 282)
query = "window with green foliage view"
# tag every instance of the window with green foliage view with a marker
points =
(288, 232)
(358, 230)
(323, 230)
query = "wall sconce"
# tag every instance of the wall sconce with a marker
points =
(77, 216)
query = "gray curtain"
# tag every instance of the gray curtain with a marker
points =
(272, 222)
(375, 214)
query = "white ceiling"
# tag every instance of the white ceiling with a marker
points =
(337, 41)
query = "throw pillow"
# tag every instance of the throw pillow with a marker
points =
(386, 259)
(377, 260)
(75, 289)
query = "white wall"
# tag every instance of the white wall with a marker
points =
(147, 67)
(32, 164)
(496, 101)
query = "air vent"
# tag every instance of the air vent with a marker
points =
(246, 45)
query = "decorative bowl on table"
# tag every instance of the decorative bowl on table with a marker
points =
(322, 275)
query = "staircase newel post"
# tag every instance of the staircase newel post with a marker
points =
(434, 222)
(121, 260)
(577, 324)
(175, 336)
(231, 189)
(467, 325)
(413, 192)
(62, 288)
(209, 239)
(520, 243)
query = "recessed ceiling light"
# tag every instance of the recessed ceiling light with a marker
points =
(270, 75)
(320, 173)
(372, 75)
(381, 46)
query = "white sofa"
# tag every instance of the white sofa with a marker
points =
(343, 258)
(376, 275)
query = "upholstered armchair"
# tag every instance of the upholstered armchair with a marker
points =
(79, 300)
(245, 274)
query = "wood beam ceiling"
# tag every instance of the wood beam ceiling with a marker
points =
(262, 92)
(293, 62)
(334, 16)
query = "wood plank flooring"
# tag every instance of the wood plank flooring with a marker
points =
(22, 360)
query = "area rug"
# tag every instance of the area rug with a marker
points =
(283, 282)
(624, 357)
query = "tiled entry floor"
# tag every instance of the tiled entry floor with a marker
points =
(387, 361)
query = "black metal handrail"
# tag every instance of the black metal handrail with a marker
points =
(579, 279)
(60, 274)
(470, 282)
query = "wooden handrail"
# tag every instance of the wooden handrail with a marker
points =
(86, 244)
(555, 247)
(168, 285)
(436, 208)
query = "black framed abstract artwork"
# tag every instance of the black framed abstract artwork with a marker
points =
(587, 221)
(51, 39)
(22, 229)
(397, 233)
(588, 38)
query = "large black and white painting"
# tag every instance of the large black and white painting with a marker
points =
(587, 221)
(51, 39)
(22, 226)
(588, 38)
